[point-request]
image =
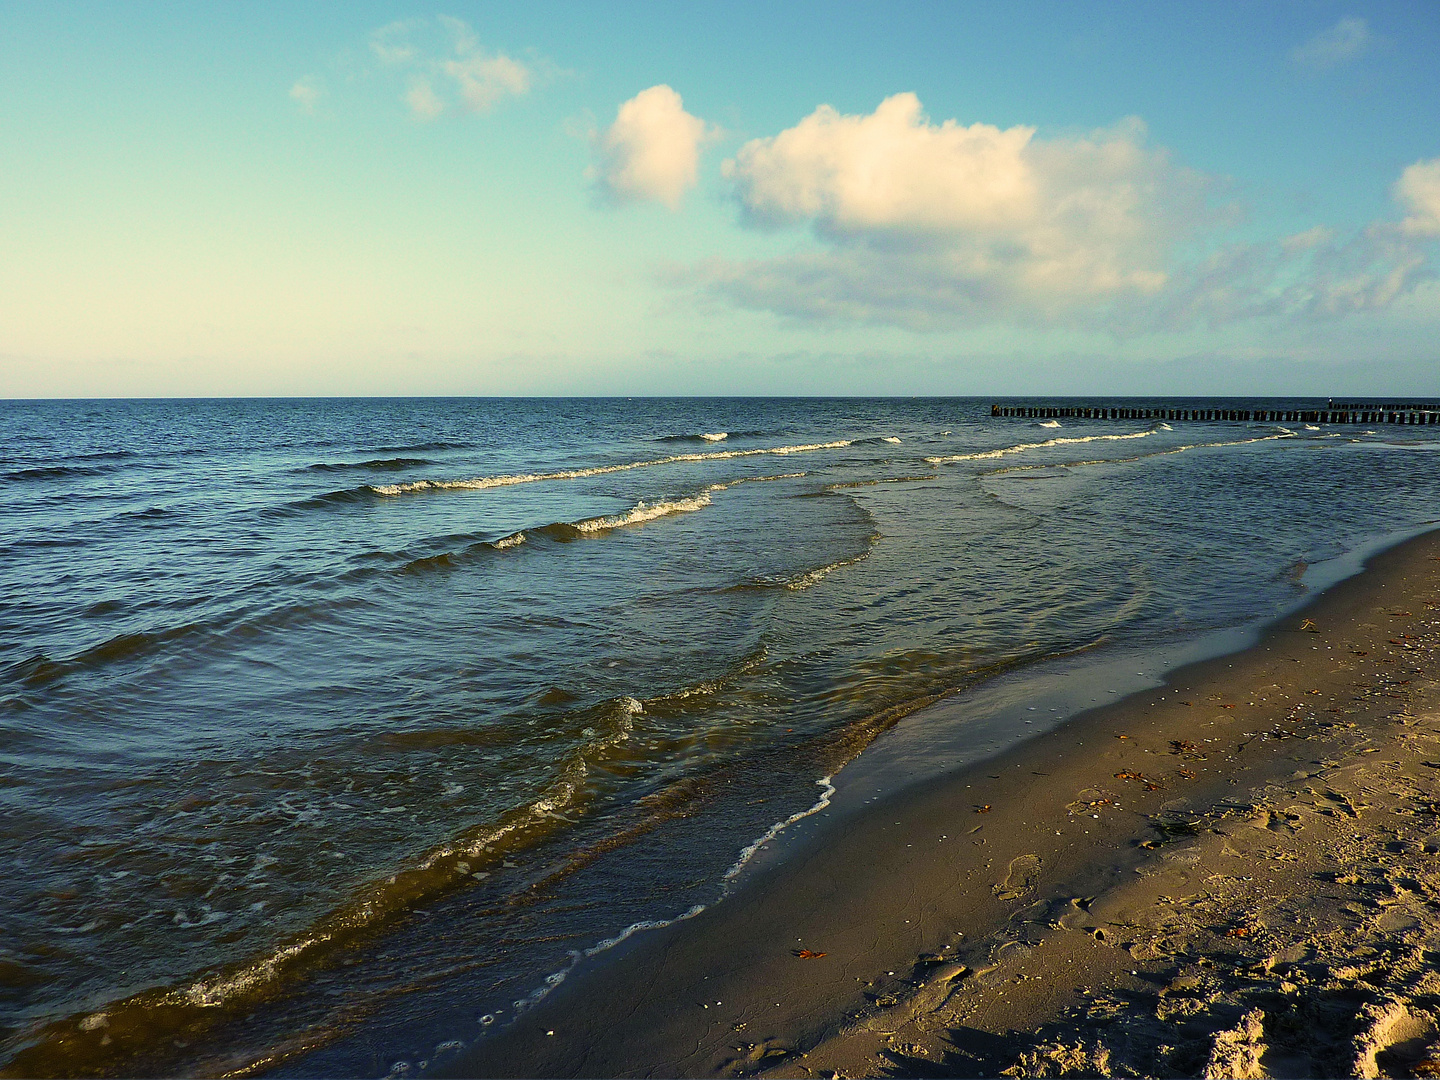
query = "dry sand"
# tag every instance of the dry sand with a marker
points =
(1236, 874)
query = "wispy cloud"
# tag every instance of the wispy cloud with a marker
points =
(307, 93)
(652, 150)
(448, 67)
(483, 81)
(1346, 40)
(930, 226)
(391, 44)
(423, 101)
(442, 66)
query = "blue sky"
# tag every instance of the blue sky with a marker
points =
(686, 199)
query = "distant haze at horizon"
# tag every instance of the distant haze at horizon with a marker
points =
(389, 199)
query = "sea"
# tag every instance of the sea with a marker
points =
(333, 733)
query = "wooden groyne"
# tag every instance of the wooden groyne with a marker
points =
(1333, 413)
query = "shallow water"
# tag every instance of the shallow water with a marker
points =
(333, 728)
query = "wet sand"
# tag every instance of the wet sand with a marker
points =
(1234, 874)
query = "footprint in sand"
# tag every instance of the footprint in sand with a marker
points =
(1396, 1039)
(1024, 875)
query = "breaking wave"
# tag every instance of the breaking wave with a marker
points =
(481, 483)
(1138, 457)
(714, 436)
(644, 511)
(640, 513)
(1020, 448)
(563, 531)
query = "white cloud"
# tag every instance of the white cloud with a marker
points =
(1418, 191)
(979, 215)
(890, 169)
(652, 150)
(928, 225)
(447, 65)
(307, 93)
(1344, 41)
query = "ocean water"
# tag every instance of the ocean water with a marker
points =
(334, 731)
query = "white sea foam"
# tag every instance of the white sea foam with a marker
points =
(1141, 457)
(719, 436)
(649, 511)
(1311, 427)
(1020, 448)
(643, 511)
(556, 978)
(814, 577)
(481, 483)
(1049, 423)
(748, 852)
(891, 439)
(761, 479)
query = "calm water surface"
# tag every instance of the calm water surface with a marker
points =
(330, 729)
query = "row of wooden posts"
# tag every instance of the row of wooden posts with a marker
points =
(1424, 415)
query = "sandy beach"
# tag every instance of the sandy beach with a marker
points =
(1235, 874)
(719, 540)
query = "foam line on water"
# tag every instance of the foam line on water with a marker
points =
(550, 983)
(1020, 448)
(748, 852)
(814, 577)
(1139, 457)
(643, 511)
(556, 978)
(481, 483)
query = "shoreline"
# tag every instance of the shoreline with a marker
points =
(912, 900)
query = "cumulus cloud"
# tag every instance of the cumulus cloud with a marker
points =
(447, 66)
(307, 93)
(1418, 192)
(891, 169)
(1344, 41)
(927, 225)
(652, 150)
(965, 215)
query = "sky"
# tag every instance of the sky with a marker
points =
(741, 198)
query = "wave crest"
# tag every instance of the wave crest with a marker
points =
(481, 483)
(1020, 448)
